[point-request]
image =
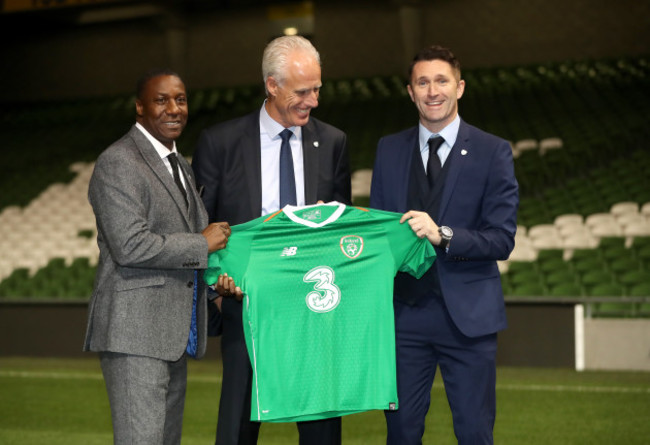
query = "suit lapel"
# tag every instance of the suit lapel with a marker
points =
(459, 151)
(251, 150)
(404, 165)
(310, 143)
(196, 206)
(157, 165)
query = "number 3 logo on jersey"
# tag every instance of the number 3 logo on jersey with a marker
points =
(326, 295)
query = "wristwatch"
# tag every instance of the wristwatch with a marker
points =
(445, 233)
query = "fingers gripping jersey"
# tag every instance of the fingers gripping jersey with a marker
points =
(318, 307)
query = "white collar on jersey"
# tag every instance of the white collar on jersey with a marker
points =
(289, 211)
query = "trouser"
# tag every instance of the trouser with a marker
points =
(147, 398)
(427, 338)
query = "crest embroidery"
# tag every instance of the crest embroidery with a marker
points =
(351, 246)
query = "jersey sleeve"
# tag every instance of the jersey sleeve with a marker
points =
(412, 254)
(419, 257)
(233, 260)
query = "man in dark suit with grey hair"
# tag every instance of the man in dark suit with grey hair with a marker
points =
(255, 165)
(148, 309)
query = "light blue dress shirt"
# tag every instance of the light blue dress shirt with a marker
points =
(449, 134)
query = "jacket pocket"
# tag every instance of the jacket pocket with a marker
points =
(137, 282)
(479, 271)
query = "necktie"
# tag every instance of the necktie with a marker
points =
(192, 341)
(177, 179)
(287, 178)
(433, 164)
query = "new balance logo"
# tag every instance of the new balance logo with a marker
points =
(289, 251)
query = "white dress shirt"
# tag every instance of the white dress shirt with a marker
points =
(163, 152)
(270, 142)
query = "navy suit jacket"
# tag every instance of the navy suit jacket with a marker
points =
(479, 202)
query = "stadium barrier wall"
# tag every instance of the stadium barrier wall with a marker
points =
(539, 335)
(614, 344)
(52, 330)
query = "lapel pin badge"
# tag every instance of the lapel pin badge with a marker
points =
(316, 144)
(463, 152)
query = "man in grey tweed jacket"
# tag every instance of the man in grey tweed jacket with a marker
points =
(148, 310)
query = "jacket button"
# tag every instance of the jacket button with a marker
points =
(190, 284)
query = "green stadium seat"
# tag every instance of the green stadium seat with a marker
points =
(592, 206)
(620, 266)
(527, 290)
(595, 279)
(505, 284)
(615, 309)
(643, 255)
(587, 265)
(561, 276)
(565, 289)
(515, 267)
(605, 290)
(16, 285)
(612, 243)
(616, 253)
(545, 255)
(642, 290)
(633, 278)
(550, 265)
(579, 255)
(524, 277)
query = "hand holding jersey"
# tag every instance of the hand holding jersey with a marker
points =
(422, 225)
(226, 287)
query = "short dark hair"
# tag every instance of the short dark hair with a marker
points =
(146, 77)
(435, 52)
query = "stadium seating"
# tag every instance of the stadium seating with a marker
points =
(578, 190)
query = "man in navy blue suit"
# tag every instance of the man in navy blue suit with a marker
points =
(464, 199)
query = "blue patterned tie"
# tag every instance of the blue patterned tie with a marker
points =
(287, 178)
(192, 340)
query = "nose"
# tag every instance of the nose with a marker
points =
(172, 107)
(312, 99)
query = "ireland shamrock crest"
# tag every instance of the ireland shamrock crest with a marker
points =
(351, 246)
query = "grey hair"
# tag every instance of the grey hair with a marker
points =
(276, 53)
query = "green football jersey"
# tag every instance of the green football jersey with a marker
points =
(318, 307)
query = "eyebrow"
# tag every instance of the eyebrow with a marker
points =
(309, 88)
(169, 94)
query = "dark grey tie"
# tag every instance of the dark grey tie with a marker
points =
(287, 178)
(433, 164)
(177, 179)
